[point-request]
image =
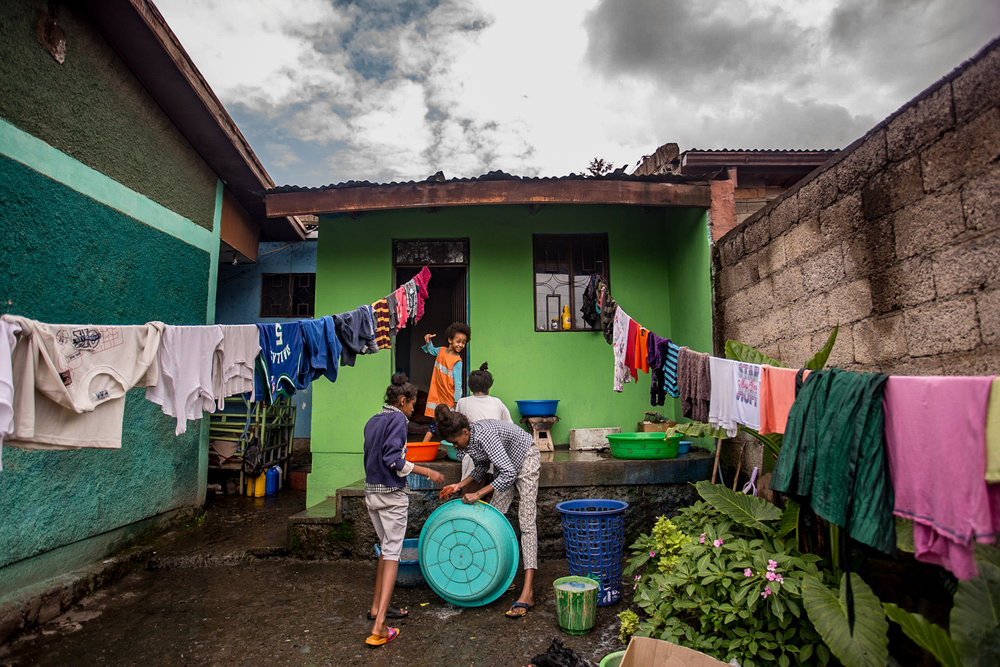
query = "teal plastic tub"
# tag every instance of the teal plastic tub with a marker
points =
(450, 450)
(468, 553)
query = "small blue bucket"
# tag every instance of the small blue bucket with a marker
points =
(408, 575)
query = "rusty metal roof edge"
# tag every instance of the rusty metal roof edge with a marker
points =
(493, 176)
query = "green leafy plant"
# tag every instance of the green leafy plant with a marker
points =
(733, 589)
(629, 624)
(864, 645)
(657, 552)
(974, 637)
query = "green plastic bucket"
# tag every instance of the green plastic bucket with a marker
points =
(576, 603)
(613, 659)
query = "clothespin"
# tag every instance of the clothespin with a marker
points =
(750, 488)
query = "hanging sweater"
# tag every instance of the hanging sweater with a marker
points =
(694, 380)
(833, 455)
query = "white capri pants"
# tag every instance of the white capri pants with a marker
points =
(388, 514)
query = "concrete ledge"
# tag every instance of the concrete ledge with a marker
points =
(339, 527)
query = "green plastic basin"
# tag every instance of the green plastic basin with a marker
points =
(613, 659)
(468, 553)
(643, 445)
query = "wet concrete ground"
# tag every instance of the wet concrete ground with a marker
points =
(226, 593)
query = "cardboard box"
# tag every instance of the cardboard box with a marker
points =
(591, 438)
(650, 427)
(648, 652)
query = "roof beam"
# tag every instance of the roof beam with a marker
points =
(477, 193)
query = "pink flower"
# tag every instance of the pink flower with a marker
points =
(748, 572)
(652, 553)
(779, 579)
(771, 576)
(702, 540)
(635, 586)
(764, 593)
(772, 564)
(718, 542)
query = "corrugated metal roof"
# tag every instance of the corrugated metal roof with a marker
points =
(492, 176)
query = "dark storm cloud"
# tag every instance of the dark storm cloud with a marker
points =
(676, 41)
(908, 44)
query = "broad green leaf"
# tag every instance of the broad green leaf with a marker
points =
(750, 355)
(928, 636)
(746, 510)
(975, 618)
(771, 440)
(904, 535)
(819, 359)
(868, 646)
(789, 520)
(699, 430)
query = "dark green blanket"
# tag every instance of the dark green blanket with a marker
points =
(833, 455)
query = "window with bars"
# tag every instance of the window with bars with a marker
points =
(563, 265)
(288, 295)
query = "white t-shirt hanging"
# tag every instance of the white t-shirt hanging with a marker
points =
(70, 381)
(240, 347)
(190, 383)
(747, 398)
(8, 330)
(722, 408)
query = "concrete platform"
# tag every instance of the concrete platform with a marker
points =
(339, 526)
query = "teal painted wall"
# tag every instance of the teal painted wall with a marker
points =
(67, 258)
(92, 108)
(659, 265)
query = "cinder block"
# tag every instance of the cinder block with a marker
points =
(783, 216)
(817, 194)
(841, 219)
(842, 355)
(919, 124)
(879, 338)
(850, 302)
(776, 324)
(803, 240)
(970, 266)
(942, 326)
(756, 235)
(981, 200)
(591, 438)
(988, 309)
(731, 247)
(967, 151)
(862, 163)
(738, 306)
(981, 361)
(771, 257)
(903, 285)
(822, 272)
(932, 222)
(870, 249)
(787, 285)
(796, 351)
(900, 184)
(810, 315)
(978, 86)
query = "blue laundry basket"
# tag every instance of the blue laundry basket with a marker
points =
(594, 533)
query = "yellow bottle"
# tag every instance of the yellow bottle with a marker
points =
(567, 321)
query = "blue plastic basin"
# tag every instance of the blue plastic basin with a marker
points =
(537, 408)
(409, 573)
(450, 450)
(468, 553)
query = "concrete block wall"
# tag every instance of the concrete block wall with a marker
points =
(897, 239)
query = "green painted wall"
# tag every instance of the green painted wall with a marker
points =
(66, 258)
(92, 108)
(659, 264)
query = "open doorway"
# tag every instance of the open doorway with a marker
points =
(447, 302)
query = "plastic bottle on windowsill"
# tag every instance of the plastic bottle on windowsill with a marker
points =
(567, 321)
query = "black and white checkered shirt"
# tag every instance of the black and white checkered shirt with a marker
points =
(500, 443)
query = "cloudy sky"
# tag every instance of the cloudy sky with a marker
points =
(328, 91)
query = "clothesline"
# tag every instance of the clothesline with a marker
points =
(63, 386)
(857, 447)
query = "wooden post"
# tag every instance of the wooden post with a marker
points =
(715, 466)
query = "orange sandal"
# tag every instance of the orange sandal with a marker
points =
(378, 640)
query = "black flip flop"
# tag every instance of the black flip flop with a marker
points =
(394, 612)
(513, 613)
